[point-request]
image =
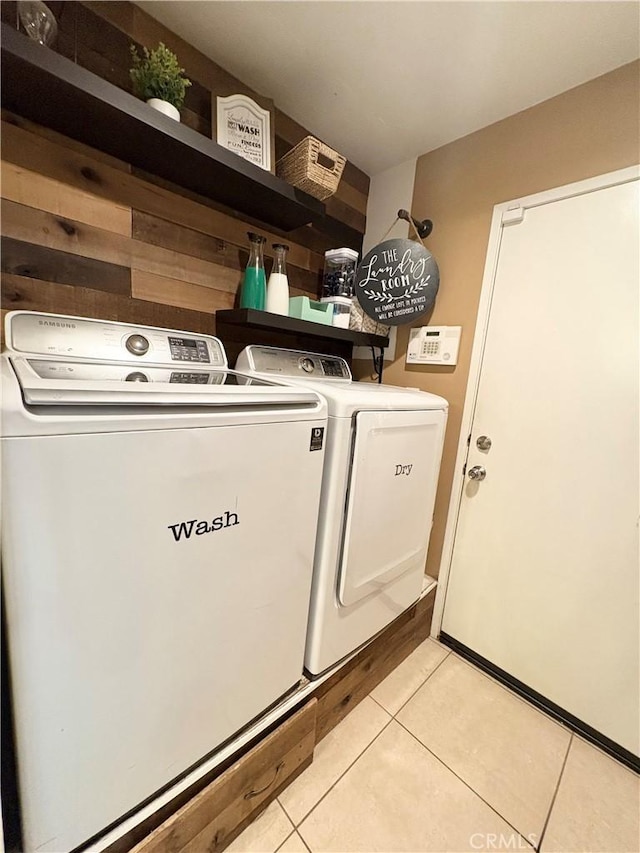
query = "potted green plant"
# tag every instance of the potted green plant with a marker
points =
(157, 79)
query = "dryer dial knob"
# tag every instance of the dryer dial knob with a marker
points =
(136, 376)
(137, 344)
(307, 365)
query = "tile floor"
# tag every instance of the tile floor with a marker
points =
(440, 757)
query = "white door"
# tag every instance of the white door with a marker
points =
(544, 574)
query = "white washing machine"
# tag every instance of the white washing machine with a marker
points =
(159, 521)
(384, 446)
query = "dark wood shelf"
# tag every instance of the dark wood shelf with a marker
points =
(253, 319)
(49, 89)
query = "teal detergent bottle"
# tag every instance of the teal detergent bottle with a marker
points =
(254, 284)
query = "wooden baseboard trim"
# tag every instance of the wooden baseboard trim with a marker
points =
(350, 685)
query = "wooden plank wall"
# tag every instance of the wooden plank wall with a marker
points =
(85, 234)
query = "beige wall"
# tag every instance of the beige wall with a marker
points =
(586, 131)
(388, 192)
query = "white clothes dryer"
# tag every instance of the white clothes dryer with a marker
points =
(382, 461)
(158, 524)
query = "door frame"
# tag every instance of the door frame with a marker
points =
(504, 214)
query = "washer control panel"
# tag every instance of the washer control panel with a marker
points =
(188, 349)
(78, 337)
(293, 363)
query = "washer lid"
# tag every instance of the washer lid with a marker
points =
(66, 382)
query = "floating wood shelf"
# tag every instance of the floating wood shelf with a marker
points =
(49, 89)
(251, 318)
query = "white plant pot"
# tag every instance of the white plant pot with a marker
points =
(164, 107)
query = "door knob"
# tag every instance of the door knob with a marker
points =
(477, 473)
(483, 442)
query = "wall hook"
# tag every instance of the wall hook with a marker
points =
(423, 228)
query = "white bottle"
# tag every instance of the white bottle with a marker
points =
(278, 284)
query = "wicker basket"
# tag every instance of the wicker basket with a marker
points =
(300, 168)
(361, 322)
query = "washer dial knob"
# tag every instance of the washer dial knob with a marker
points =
(137, 344)
(307, 365)
(136, 376)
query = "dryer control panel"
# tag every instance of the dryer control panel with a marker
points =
(98, 340)
(290, 364)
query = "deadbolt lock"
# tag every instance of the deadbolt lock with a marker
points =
(483, 442)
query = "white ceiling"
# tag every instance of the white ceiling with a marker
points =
(383, 81)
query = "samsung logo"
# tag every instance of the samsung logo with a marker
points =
(57, 324)
(184, 529)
